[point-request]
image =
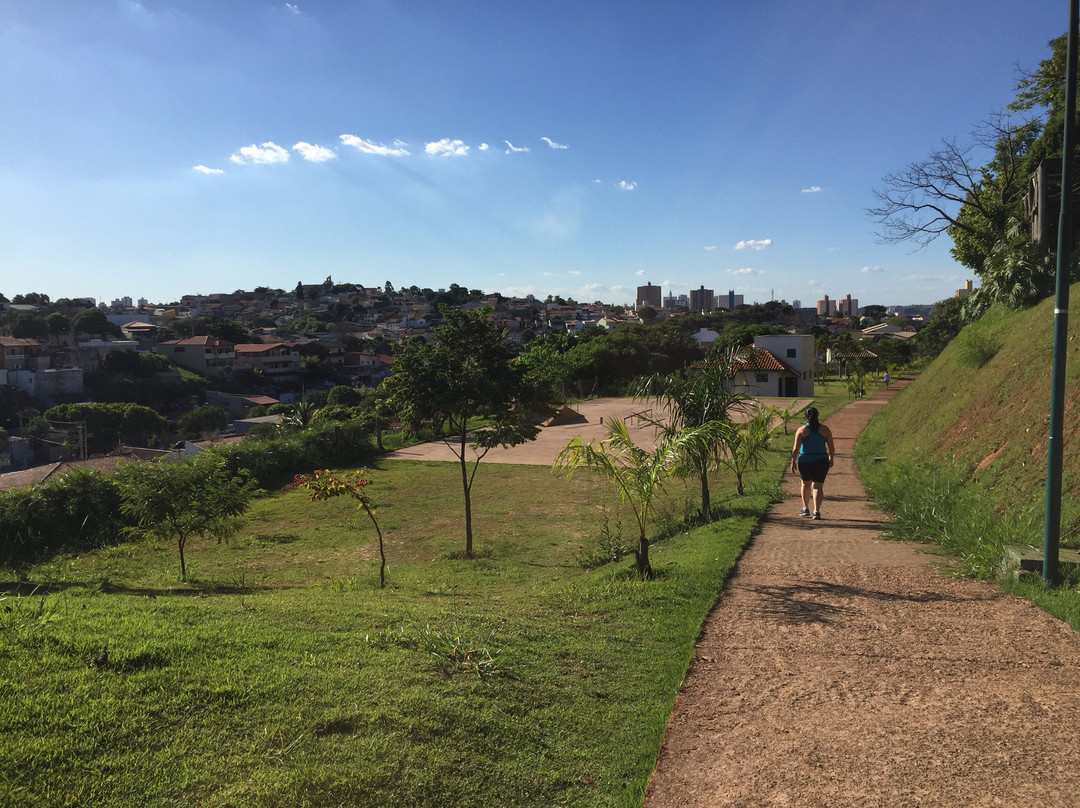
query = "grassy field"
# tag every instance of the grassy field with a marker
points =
(281, 675)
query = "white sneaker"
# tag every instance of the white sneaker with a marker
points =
(816, 515)
(804, 512)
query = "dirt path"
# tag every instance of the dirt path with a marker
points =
(590, 426)
(840, 670)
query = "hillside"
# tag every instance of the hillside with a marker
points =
(982, 409)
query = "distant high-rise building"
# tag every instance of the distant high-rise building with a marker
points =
(967, 290)
(729, 301)
(796, 304)
(826, 307)
(702, 300)
(647, 295)
(847, 306)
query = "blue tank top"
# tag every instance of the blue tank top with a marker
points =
(813, 446)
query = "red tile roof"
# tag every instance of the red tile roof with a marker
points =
(759, 359)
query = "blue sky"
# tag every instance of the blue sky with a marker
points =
(164, 147)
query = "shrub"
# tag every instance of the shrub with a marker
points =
(78, 511)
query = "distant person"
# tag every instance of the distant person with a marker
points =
(812, 457)
(886, 378)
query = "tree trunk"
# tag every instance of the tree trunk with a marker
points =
(641, 555)
(183, 566)
(706, 501)
(468, 502)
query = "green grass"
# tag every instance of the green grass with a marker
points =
(281, 675)
(959, 456)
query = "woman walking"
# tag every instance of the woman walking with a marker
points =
(812, 457)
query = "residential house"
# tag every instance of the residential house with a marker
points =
(206, 355)
(238, 405)
(780, 365)
(277, 361)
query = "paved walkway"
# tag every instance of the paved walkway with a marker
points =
(842, 670)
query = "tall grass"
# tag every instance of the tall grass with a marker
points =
(939, 504)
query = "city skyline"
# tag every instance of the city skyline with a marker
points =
(156, 149)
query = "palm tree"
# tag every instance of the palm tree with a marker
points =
(692, 398)
(745, 447)
(301, 415)
(637, 474)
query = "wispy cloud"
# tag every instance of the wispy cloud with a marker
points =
(293, 8)
(268, 152)
(512, 149)
(371, 147)
(745, 271)
(574, 272)
(813, 189)
(553, 144)
(446, 148)
(640, 273)
(483, 147)
(872, 269)
(627, 186)
(754, 244)
(710, 248)
(313, 153)
(204, 170)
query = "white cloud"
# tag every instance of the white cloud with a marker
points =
(871, 269)
(371, 147)
(553, 144)
(204, 170)
(292, 7)
(446, 148)
(574, 272)
(710, 248)
(512, 149)
(268, 152)
(745, 271)
(813, 189)
(483, 147)
(313, 153)
(640, 272)
(754, 244)
(627, 186)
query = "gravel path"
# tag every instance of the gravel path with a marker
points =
(841, 670)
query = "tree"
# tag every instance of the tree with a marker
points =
(637, 474)
(874, 312)
(29, 326)
(207, 419)
(180, 501)
(745, 447)
(108, 425)
(694, 397)
(57, 323)
(949, 192)
(93, 322)
(465, 377)
(325, 485)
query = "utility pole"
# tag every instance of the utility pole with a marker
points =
(1054, 447)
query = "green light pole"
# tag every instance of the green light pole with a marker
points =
(1052, 531)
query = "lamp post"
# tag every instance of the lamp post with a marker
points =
(1052, 528)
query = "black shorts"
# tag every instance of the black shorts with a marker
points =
(814, 471)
